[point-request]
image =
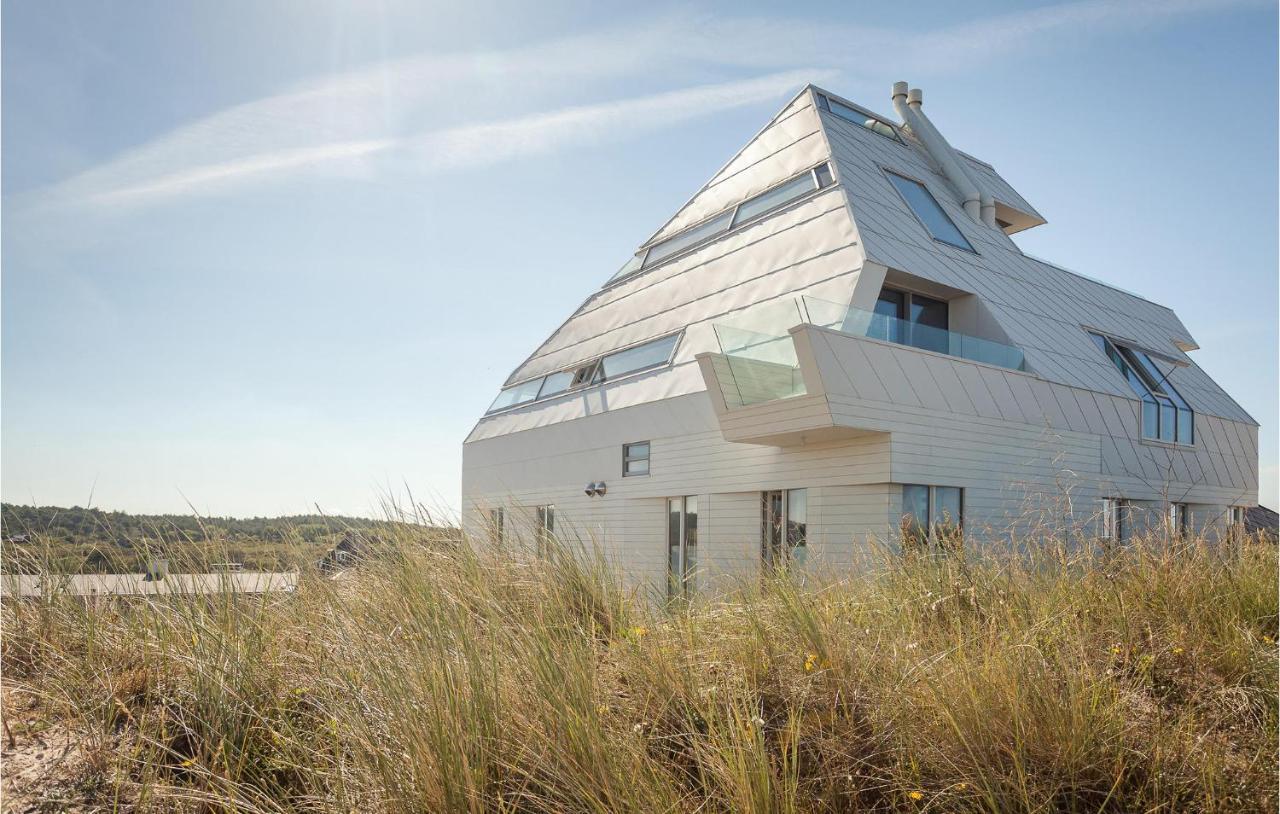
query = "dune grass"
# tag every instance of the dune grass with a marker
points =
(441, 677)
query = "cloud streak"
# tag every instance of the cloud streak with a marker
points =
(435, 113)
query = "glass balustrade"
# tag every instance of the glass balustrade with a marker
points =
(873, 325)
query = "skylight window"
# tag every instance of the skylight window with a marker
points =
(1166, 416)
(930, 213)
(750, 209)
(859, 117)
(641, 357)
(651, 354)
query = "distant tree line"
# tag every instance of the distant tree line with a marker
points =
(80, 540)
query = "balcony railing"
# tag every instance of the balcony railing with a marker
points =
(758, 357)
(858, 322)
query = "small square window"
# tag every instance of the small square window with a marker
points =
(635, 459)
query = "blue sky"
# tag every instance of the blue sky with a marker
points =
(263, 256)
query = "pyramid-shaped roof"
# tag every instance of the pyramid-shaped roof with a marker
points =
(816, 242)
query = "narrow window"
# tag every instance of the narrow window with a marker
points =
(635, 459)
(775, 198)
(931, 516)
(497, 526)
(1115, 519)
(546, 529)
(873, 123)
(1179, 519)
(677, 243)
(682, 545)
(784, 528)
(1235, 522)
(927, 209)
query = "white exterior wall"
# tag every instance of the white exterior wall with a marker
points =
(1032, 450)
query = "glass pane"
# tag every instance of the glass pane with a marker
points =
(632, 266)
(635, 451)
(889, 311)
(771, 544)
(774, 198)
(915, 515)
(928, 327)
(516, 394)
(690, 540)
(685, 239)
(636, 467)
(797, 517)
(1168, 421)
(650, 354)
(1150, 418)
(946, 512)
(555, 383)
(929, 212)
(1186, 427)
(823, 173)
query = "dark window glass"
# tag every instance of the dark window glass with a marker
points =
(890, 309)
(635, 459)
(928, 319)
(929, 212)
(915, 516)
(823, 174)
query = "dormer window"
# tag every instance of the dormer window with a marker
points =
(1166, 416)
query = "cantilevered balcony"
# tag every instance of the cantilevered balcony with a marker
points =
(805, 370)
(872, 325)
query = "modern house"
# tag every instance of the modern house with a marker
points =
(836, 341)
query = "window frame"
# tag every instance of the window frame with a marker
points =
(591, 371)
(824, 103)
(1158, 393)
(968, 247)
(1115, 519)
(1179, 519)
(932, 538)
(686, 585)
(789, 551)
(628, 459)
(544, 529)
(647, 264)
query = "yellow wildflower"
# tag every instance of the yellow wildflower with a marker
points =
(961, 786)
(639, 631)
(916, 795)
(810, 662)
(1268, 640)
(1177, 651)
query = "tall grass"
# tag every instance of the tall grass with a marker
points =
(441, 677)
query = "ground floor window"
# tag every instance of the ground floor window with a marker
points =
(784, 527)
(497, 526)
(545, 530)
(682, 545)
(931, 515)
(1179, 519)
(1235, 522)
(1115, 519)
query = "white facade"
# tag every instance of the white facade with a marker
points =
(793, 370)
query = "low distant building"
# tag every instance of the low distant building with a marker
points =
(32, 586)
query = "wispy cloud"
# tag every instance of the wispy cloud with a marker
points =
(437, 112)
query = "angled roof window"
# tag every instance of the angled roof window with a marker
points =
(641, 357)
(555, 384)
(774, 198)
(516, 394)
(660, 251)
(930, 213)
(861, 118)
(1166, 416)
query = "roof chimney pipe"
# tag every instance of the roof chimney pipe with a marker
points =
(908, 104)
